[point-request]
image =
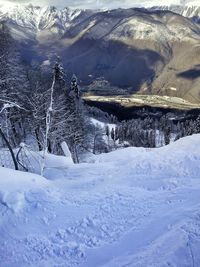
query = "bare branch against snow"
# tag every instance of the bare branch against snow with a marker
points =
(9, 104)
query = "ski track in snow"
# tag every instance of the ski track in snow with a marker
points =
(132, 207)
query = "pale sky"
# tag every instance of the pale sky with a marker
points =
(98, 3)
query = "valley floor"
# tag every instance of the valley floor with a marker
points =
(132, 207)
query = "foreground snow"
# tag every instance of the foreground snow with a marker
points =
(132, 207)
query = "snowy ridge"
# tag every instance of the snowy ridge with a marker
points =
(135, 207)
(39, 18)
(190, 11)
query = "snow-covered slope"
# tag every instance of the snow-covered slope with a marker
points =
(132, 207)
(39, 18)
(28, 22)
(190, 10)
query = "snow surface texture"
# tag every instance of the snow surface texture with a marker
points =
(132, 207)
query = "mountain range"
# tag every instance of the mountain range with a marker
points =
(148, 51)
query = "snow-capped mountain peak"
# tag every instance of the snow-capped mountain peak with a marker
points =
(38, 18)
(190, 11)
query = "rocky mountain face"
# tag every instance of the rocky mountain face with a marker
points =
(144, 51)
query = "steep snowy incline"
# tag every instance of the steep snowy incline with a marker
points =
(132, 207)
(38, 18)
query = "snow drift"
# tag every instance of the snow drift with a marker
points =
(131, 207)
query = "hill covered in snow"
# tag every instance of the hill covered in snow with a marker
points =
(133, 207)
